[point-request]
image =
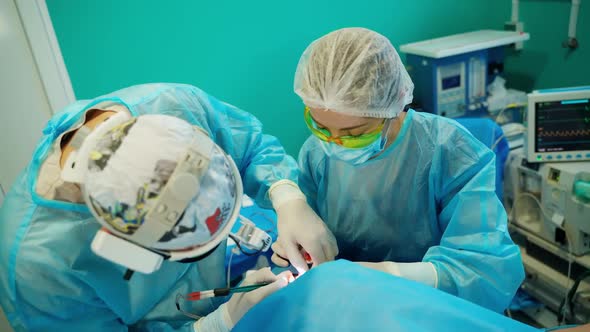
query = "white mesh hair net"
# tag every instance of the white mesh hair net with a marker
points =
(354, 71)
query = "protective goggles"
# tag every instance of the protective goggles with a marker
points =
(359, 141)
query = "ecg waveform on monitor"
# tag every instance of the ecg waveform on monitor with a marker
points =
(562, 126)
(564, 133)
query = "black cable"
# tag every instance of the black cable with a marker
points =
(569, 299)
(128, 274)
(186, 313)
(574, 291)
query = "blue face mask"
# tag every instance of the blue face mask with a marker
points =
(356, 156)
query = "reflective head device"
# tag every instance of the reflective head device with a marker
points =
(161, 189)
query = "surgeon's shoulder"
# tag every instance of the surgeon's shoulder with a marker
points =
(451, 142)
(52, 245)
(147, 88)
(50, 272)
(144, 93)
(15, 213)
(203, 107)
(38, 246)
(443, 131)
(311, 155)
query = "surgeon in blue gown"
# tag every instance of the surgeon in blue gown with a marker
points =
(50, 280)
(411, 194)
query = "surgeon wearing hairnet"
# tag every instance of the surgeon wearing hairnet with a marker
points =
(411, 194)
(160, 167)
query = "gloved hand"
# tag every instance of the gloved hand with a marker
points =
(423, 272)
(300, 229)
(228, 314)
(240, 303)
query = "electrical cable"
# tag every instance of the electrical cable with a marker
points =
(569, 300)
(242, 250)
(519, 198)
(567, 238)
(180, 296)
(186, 313)
(509, 106)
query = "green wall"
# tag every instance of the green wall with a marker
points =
(246, 52)
(544, 63)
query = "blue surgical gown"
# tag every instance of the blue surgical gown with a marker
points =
(50, 280)
(430, 196)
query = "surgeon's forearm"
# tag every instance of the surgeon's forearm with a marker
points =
(284, 191)
(217, 321)
(155, 326)
(422, 272)
(268, 163)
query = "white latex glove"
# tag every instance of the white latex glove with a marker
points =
(300, 229)
(422, 272)
(228, 314)
(240, 303)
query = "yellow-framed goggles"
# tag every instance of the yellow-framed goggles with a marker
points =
(359, 141)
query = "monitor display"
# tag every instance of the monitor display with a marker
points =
(451, 82)
(562, 125)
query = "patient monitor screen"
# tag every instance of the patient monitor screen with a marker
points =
(562, 125)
